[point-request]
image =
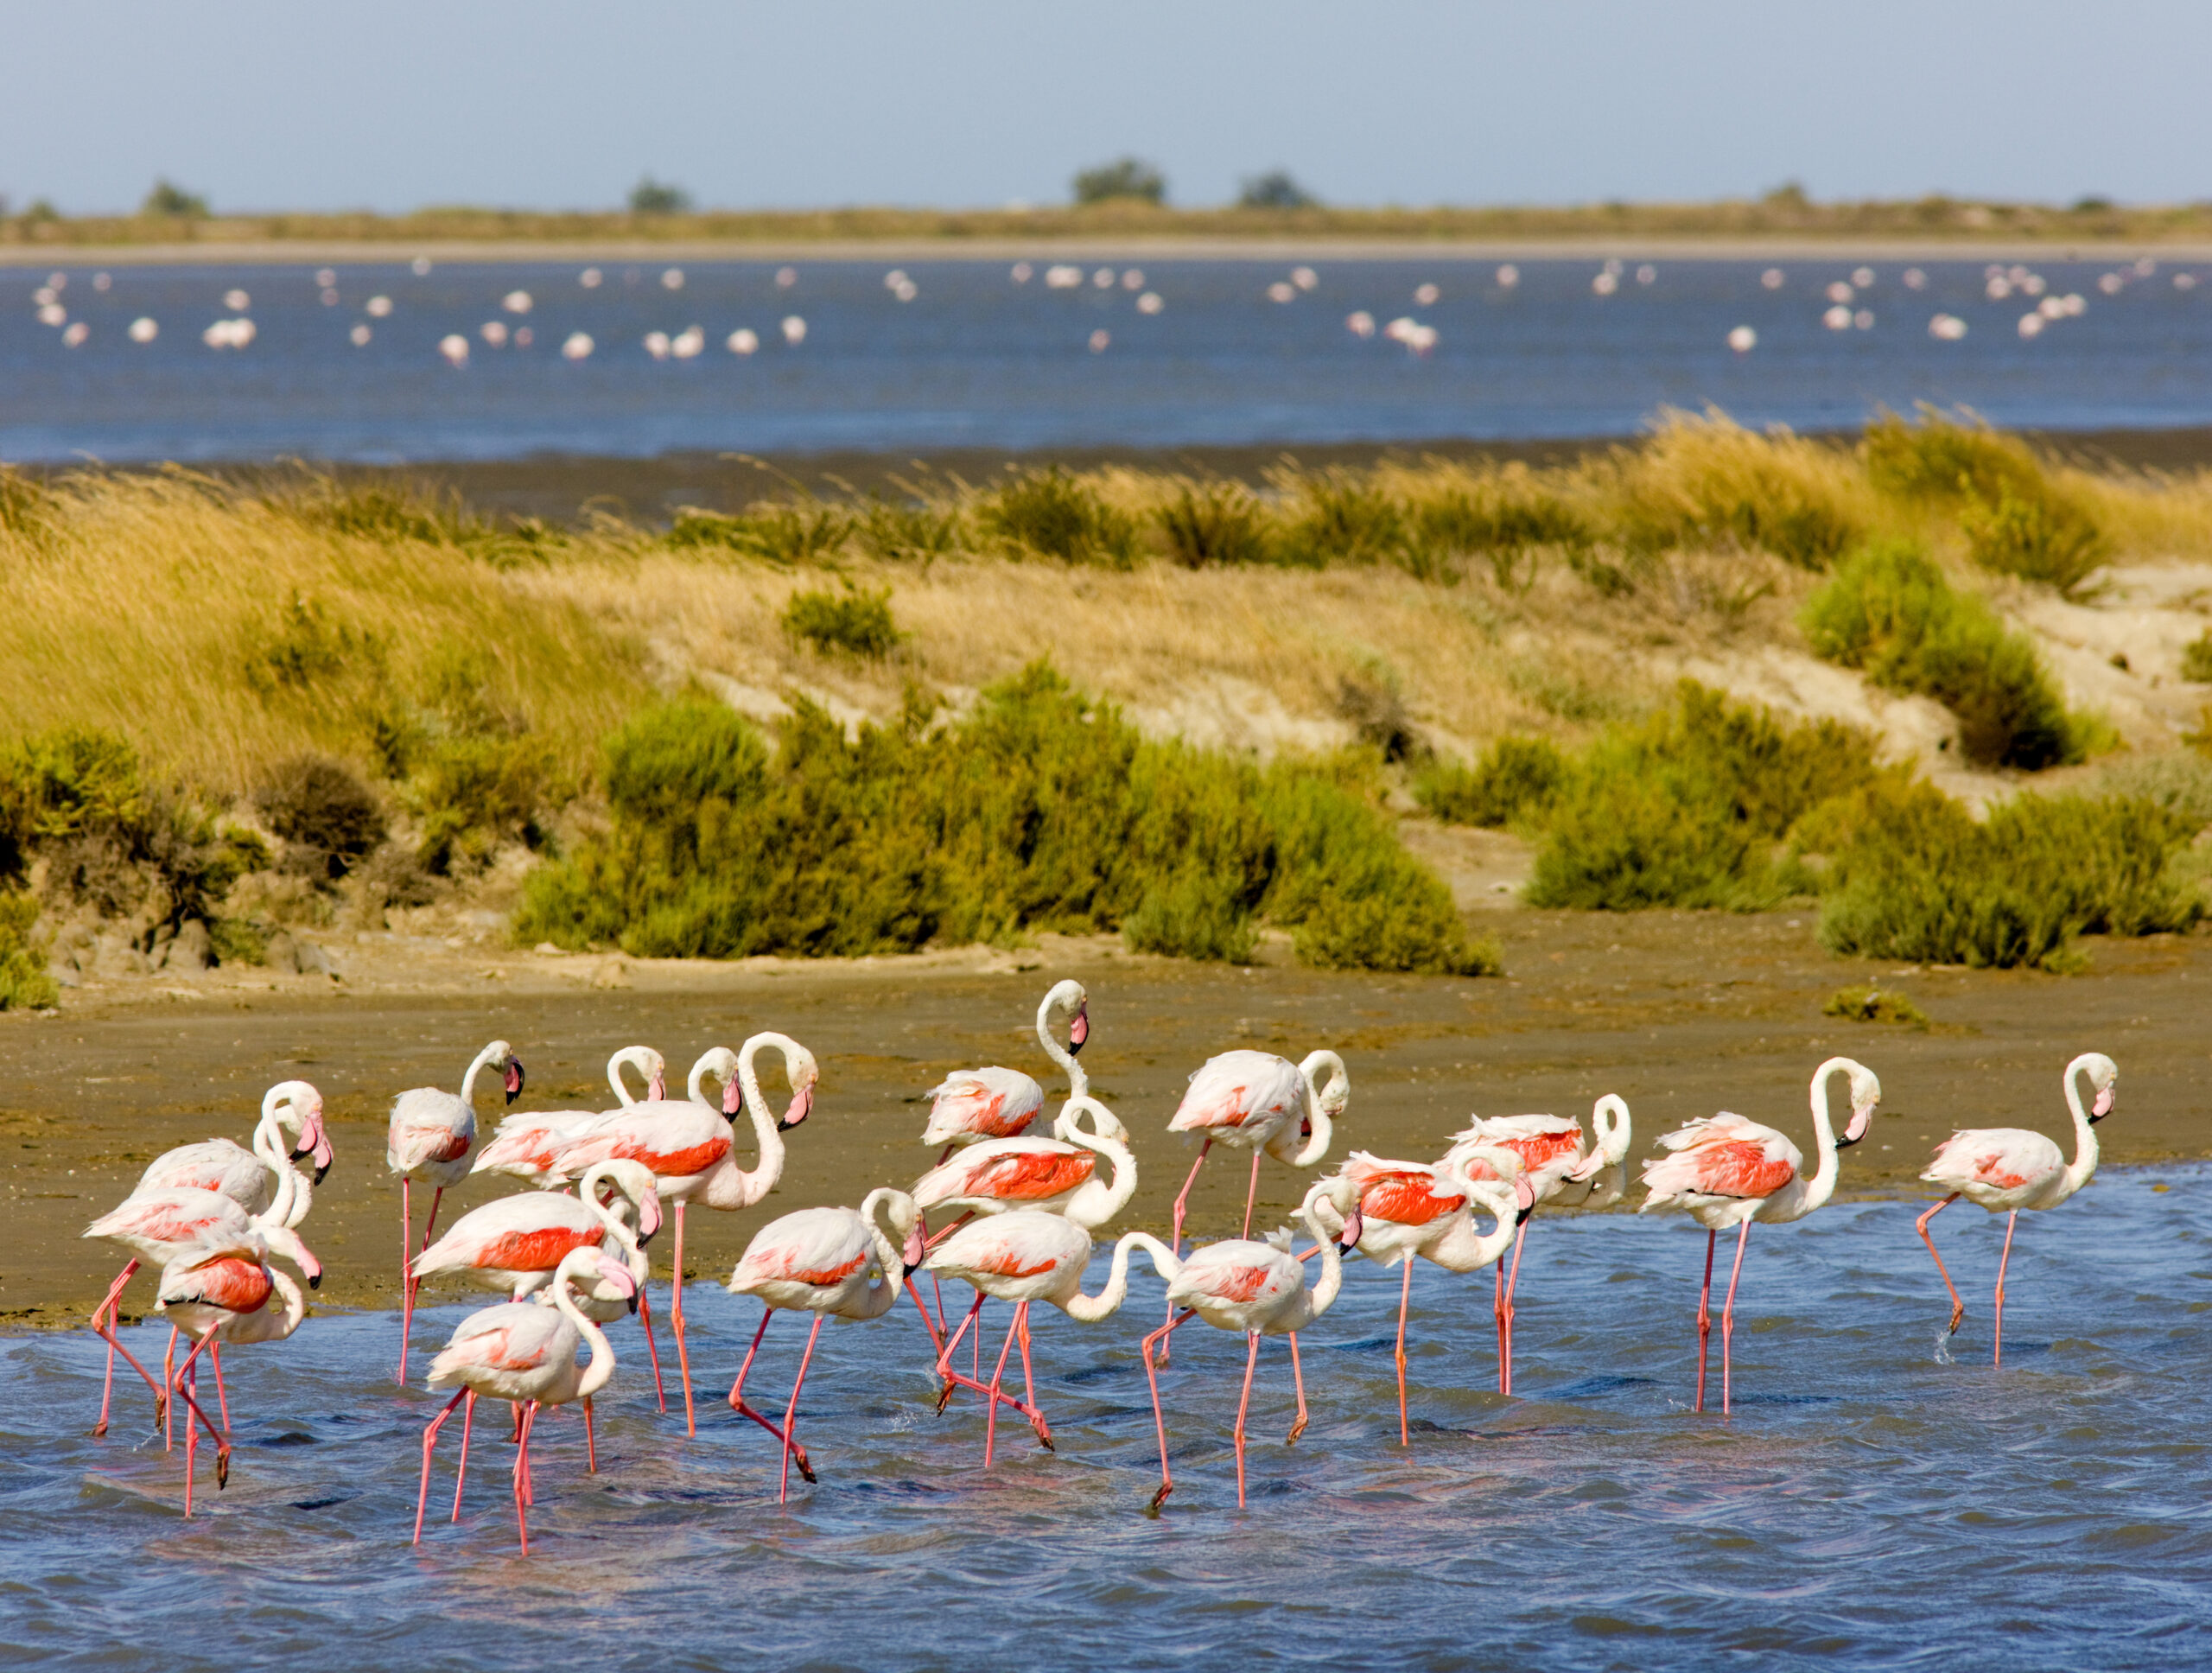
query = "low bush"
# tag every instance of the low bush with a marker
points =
(24, 983)
(1875, 1005)
(1340, 516)
(1889, 611)
(1516, 778)
(1506, 516)
(1708, 481)
(851, 622)
(1050, 513)
(1941, 462)
(1208, 524)
(902, 531)
(329, 818)
(779, 531)
(1039, 810)
(2044, 537)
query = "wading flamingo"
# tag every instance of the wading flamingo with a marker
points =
(165, 1227)
(1550, 1149)
(2008, 1168)
(969, 1105)
(290, 1110)
(1257, 1101)
(1393, 1210)
(690, 1147)
(431, 1134)
(1024, 1256)
(220, 1293)
(1259, 1288)
(525, 1143)
(1727, 1171)
(527, 1354)
(828, 1261)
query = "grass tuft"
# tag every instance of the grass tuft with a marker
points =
(1207, 523)
(1050, 514)
(853, 622)
(1870, 1004)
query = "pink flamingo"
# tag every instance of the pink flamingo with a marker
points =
(526, 1354)
(827, 1262)
(517, 1242)
(1727, 1171)
(969, 1105)
(431, 1134)
(1551, 1151)
(526, 1142)
(220, 1293)
(1259, 1288)
(1057, 1175)
(1258, 1102)
(165, 1227)
(690, 1147)
(1393, 1210)
(252, 1179)
(2009, 1168)
(1022, 1256)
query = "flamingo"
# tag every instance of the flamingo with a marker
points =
(1057, 1175)
(165, 1227)
(525, 1142)
(825, 1261)
(969, 1105)
(2009, 1168)
(1256, 1288)
(430, 1137)
(527, 1354)
(1550, 1149)
(690, 1147)
(252, 1179)
(1259, 1101)
(1727, 1171)
(1393, 1210)
(221, 1292)
(1021, 1256)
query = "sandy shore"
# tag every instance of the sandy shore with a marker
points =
(1680, 1013)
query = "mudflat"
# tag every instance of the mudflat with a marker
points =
(1680, 1013)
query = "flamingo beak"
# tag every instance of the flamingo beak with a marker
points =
(514, 1078)
(314, 1281)
(1862, 1117)
(648, 1218)
(1355, 1227)
(732, 1098)
(802, 1102)
(1306, 1127)
(2102, 1105)
(1524, 1199)
(657, 1089)
(916, 1250)
(1079, 1031)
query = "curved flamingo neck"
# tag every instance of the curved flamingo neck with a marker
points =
(1101, 1203)
(295, 1305)
(2085, 1135)
(469, 1081)
(600, 1366)
(750, 1186)
(1088, 1309)
(1324, 1291)
(630, 1057)
(888, 1254)
(1078, 1082)
(1317, 1144)
(1821, 1186)
(1462, 1249)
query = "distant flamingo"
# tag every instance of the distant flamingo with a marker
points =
(220, 1293)
(2009, 1168)
(526, 1354)
(1026, 1256)
(1257, 1101)
(824, 1261)
(1550, 1149)
(973, 1104)
(1727, 1171)
(688, 1147)
(252, 1179)
(1256, 1288)
(525, 1143)
(1393, 1210)
(430, 1137)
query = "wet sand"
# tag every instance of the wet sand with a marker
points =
(1680, 1013)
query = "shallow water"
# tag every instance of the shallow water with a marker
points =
(976, 360)
(1880, 1499)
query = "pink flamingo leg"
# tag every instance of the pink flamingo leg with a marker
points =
(955, 1379)
(186, 1385)
(1996, 1353)
(676, 1324)
(168, 1373)
(1497, 1312)
(1175, 1237)
(1958, 1307)
(934, 1326)
(222, 1399)
(468, 1422)
(1405, 1302)
(429, 1440)
(998, 1379)
(1251, 1196)
(1705, 1318)
(946, 1375)
(406, 1280)
(115, 1346)
(645, 1318)
(591, 1441)
(1298, 1381)
(1505, 1341)
(790, 1413)
(522, 1477)
(1728, 1313)
(1251, 1364)
(1159, 1415)
(739, 1404)
(1029, 1386)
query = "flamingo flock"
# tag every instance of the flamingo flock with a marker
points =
(1019, 1213)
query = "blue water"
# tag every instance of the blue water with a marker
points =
(1880, 1498)
(977, 360)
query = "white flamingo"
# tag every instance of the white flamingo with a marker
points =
(525, 1143)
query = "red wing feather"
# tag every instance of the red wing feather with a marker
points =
(236, 1285)
(1407, 1199)
(1032, 1176)
(1741, 1167)
(535, 1251)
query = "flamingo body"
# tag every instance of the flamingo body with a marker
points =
(971, 1106)
(527, 1145)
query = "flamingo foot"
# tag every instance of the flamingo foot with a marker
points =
(222, 1466)
(1958, 1312)
(945, 1397)
(1159, 1497)
(1297, 1429)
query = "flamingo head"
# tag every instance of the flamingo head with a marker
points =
(1078, 1029)
(806, 1073)
(649, 1217)
(514, 1077)
(314, 1142)
(613, 1277)
(916, 1250)
(1865, 1093)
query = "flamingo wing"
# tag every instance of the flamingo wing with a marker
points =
(428, 1125)
(674, 1138)
(1997, 1158)
(1019, 1245)
(1240, 1089)
(514, 1338)
(1722, 1156)
(992, 1103)
(216, 1165)
(229, 1281)
(1238, 1273)
(179, 1218)
(817, 1247)
(530, 1232)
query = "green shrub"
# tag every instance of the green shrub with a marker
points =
(237, 941)
(475, 791)
(1339, 516)
(2196, 658)
(1507, 518)
(303, 646)
(857, 623)
(1920, 881)
(1889, 612)
(1192, 916)
(783, 532)
(1516, 778)
(1941, 462)
(1875, 1005)
(900, 531)
(2044, 537)
(24, 983)
(1213, 522)
(1705, 483)
(321, 808)
(1053, 514)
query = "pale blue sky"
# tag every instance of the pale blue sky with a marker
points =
(556, 102)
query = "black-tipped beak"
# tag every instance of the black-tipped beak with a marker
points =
(514, 1078)
(315, 1282)
(1521, 1216)
(633, 1300)
(320, 1171)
